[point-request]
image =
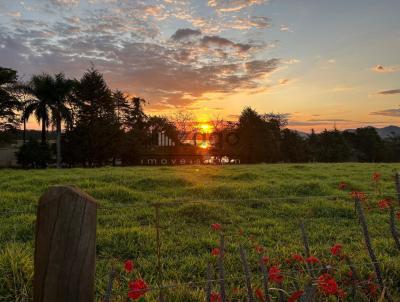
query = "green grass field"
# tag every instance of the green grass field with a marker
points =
(266, 201)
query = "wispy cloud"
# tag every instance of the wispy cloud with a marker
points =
(389, 92)
(233, 5)
(387, 112)
(185, 33)
(65, 2)
(14, 14)
(385, 69)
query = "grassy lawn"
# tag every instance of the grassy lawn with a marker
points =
(266, 201)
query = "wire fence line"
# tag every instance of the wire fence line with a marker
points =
(182, 201)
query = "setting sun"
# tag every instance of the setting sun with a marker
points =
(204, 145)
(205, 128)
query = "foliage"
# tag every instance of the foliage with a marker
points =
(9, 104)
(33, 155)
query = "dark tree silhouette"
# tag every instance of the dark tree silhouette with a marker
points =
(367, 144)
(95, 137)
(259, 136)
(51, 96)
(9, 104)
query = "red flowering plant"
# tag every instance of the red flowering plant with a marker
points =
(259, 294)
(328, 286)
(128, 266)
(215, 297)
(359, 195)
(336, 250)
(216, 226)
(342, 186)
(137, 287)
(376, 177)
(313, 260)
(215, 252)
(275, 275)
(384, 203)
(295, 296)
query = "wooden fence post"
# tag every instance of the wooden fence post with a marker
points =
(65, 247)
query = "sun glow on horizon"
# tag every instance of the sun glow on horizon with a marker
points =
(205, 128)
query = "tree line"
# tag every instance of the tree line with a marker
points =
(97, 126)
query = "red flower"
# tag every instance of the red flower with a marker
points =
(236, 290)
(215, 297)
(260, 294)
(398, 215)
(376, 176)
(216, 226)
(265, 259)
(372, 289)
(327, 284)
(341, 293)
(138, 289)
(336, 249)
(358, 195)
(241, 232)
(298, 258)
(128, 266)
(259, 249)
(215, 251)
(274, 275)
(342, 186)
(384, 203)
(350, 274)
(312, 260)
(295, 296)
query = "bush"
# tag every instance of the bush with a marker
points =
(33, 155)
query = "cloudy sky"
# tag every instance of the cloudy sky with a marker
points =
(318, 61)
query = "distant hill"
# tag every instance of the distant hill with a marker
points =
(388, 131)
(385, 132)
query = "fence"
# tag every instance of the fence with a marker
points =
(65, 253)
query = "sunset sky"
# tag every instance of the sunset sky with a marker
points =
(318, 61)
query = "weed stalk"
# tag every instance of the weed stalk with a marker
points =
(393, 228)
(265, 278)
(367, 239)
(159, 265)
(221, 268)
(246, 274)
(107, 297)
(209, 282)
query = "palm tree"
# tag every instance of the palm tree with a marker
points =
(50, 104)
(41, 88)
(60, 108)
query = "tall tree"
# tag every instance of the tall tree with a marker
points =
(367, 143)
(50, 104)
(9, 104)
(135, 117)
(259, 136)
(121, 106)
(95, 138)
(41, 88)
(60, 109)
